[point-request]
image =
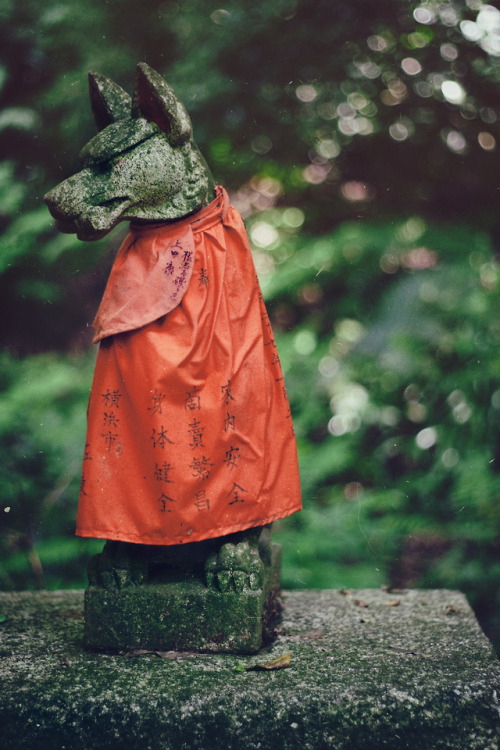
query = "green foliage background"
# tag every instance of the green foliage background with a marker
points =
(369, 187)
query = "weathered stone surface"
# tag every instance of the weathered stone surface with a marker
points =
(184, 614)
(418, 674)
(143, 164)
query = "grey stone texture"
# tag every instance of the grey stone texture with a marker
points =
(368, 669)
(143, 164)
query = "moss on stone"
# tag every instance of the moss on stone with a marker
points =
(179, 616)
(180, 612)
(365, 673)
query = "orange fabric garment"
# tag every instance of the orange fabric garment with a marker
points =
(190, 434)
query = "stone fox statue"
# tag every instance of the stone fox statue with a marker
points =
(190, 448)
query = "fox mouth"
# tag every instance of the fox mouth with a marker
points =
(65, 225)
(95, 222)
(99, 220)
(112, 204)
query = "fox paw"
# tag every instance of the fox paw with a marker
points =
(235, 567)
(116, 567)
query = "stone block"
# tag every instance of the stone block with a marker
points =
(184, 615)
(368, 670)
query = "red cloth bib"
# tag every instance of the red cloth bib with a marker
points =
(149, 278)
(189, 429)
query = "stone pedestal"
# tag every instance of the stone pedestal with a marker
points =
(184, 615)
(367, 669)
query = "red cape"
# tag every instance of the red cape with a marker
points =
(190, 434)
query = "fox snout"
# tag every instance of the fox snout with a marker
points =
(79, 209)
(59, 206)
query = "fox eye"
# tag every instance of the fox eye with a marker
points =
(104, 167)
(117, 161)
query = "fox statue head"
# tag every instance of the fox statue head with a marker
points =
(143, 164)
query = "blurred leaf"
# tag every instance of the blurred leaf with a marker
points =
(281, 662)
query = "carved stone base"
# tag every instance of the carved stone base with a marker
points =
(184, 615)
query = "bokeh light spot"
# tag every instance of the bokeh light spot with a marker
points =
(450, 458)
(219, 16)
(488, 115)
(357, 191)
(306, 93)
(411, 230)
(328, 367)
(424, 15)
(468, 111)
(389, 263)
(337, 426)
(456, 142)
(448, 52)
(495, 400)
(453, 92)
(263, 234)
(264, 264)
(349, 330)
(448, 15)
(305, 342)
(261, 144)
(419, 258)
(411, 66)
(462, 413)
(488, 275)
(487, 141)
(424, 89)
(346, 110)
(471, 31)
(368, 69)
(389, 416)
(401, 130)
(328, 148)
(417, 40)
(315, 173)
(377, 43)
(426, 438)
(347, 126)
(416, 412)
(293, 217)
(461, 410)
(311, 294)
(364, 125)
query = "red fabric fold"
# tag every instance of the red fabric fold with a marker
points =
(189, 429)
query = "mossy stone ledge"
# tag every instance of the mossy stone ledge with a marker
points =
(368, 669)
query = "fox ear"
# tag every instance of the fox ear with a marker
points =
(155, 101)
(109, 102)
